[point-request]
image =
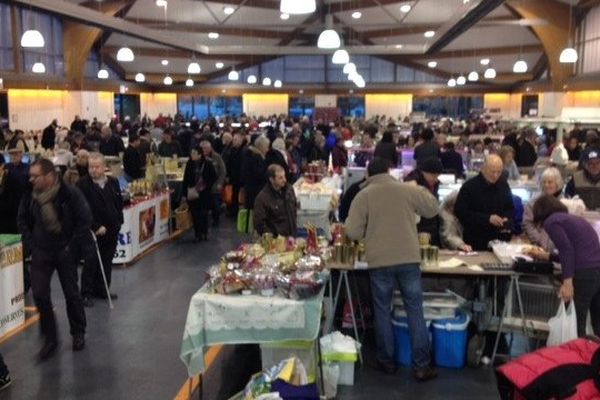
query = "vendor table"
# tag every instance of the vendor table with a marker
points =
(237, 319)
(12, 296)
(145, 224)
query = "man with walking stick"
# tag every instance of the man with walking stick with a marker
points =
(103, 194)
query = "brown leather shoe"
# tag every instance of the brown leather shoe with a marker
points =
(425, 374)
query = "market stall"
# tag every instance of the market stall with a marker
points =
(12, 296)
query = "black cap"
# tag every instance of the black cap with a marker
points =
(432, 165)
(591, 154)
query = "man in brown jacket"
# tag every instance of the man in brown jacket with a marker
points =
(383, 213)
(275, 206)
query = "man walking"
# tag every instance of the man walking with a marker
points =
(104, 198)
(383, 214)
(52, 218)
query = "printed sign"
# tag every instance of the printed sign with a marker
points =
(12, 296)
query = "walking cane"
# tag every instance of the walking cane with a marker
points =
(110, 304)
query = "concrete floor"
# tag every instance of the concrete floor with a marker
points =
(133, 351)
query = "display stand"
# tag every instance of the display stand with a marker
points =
(12, 296)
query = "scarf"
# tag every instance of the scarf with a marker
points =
(46, 202)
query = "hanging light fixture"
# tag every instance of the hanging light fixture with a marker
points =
(213, 35)
(484, 61)
(284, 16)
(473, 76)
(161, 3)
(569, 54)
(139, 77)
(266, 81)
(32, 38)
(125, 55)
(38, 68)
(432, 64)
(251, 79)
(461, 80)
(194, 68)
(102, 74)
(350, 67)
(329, 38)
(233, 75)
(520, 67)
(298, 6)
(340, 56)
(219, 65)
(277, 83)
(451, 82)
(164, 63)
(189, 82)
(352, 76)
(489, 73)
(168, 80)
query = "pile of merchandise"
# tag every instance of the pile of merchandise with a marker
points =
(286, 380)
(287, 267)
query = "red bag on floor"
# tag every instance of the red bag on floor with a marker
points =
(347, 315)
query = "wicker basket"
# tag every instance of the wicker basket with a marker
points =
(183, 218)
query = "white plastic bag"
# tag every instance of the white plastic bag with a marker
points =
(563, 326)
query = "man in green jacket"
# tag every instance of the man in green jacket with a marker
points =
(383, 214)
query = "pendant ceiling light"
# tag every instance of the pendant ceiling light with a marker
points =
(233, 75)
(38, 68)
(32, 38)
(329, 38)
(298, 6)
(352, 76)
(168, 80)
(350, 67)
(102, 74)
(194, 68)
(161, 3)
(360, 82)
(520, 67)
(189, 82)
(451, 82)
(251, 79)
(219, 65)
(125, 55)
(277, 83)
(266, 81)
(473, 76)
(139, 77)
(340, 56)
(489, 73)
(461, 80)
(569, 54)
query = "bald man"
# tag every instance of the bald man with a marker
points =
(484, 206)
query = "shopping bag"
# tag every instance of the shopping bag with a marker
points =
(244, 221)
(227, 195)
(563, 326)
(242, 196)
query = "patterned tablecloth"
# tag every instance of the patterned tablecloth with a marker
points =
(236, 319)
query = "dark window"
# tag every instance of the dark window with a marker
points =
(447, 106)
(351, 106)
(3, 110)
(529, 105)
(127, 105)
(203, 107)
(300, 106)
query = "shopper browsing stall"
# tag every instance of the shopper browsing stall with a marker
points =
(383, 214)
(586, 183)
(275, 206)
(198, 178)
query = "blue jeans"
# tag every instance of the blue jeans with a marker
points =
(383, 281)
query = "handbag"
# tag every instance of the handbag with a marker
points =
(227, 194)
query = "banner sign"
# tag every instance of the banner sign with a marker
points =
(12, 296)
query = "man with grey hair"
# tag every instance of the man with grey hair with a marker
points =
(484, 206)
(110, 144)
(254, 169)
(103, 194)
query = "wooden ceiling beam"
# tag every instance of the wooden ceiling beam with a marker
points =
(297, 33)
(484, 52)
(173, 53)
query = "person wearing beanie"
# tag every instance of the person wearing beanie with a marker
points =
(426, 175)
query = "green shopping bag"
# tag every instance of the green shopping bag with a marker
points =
(244, 221)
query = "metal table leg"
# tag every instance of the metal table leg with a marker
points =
(354, 326)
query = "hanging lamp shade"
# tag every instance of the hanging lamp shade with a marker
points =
(353, 76)
(266, 81)
(139, 77)
(340, 56)
(489, 73)
(473, 76)
(348, 68)
(125, 55)
(277, 83)
(451, 82)
(189, 82)
(568, 56)
(233, 75)
(32, 38)
(329, 38)
(252, 79)
(102, 74)
(194, 68)
(360, 82)
(297, 6)
(168, 80)
(520, 67)
(38, 68)
(461, 80)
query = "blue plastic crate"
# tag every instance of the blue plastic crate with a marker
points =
(450, 341)
(402, 347)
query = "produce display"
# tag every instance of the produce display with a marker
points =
(287, 267)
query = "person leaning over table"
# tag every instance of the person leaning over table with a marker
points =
(383, 214)
(451, 231)
(275, 206)
(551, 184)
(579, 255)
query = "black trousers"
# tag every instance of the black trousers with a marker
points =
(43, 265)
(199, 209)
(91, 276)
(3, 367)
(586, 285)
(216, 207)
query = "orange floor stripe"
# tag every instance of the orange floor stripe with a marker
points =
(190, 385)
(28, 322)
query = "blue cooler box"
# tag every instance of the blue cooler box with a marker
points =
(402, 347)
(450, 341)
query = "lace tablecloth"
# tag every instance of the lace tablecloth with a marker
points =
(235, 319)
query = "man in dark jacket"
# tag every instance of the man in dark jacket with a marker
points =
(169, 147)
(527, 154)
(103, 195)
(18, 181)
(110, 144)
(49, 135)
(254, 169)
(52, 218)
(132, 162)
(484, 206)
(386, 148)
(429, 148)
(234, 170)
(78, 125)
(275, 206)
(452, 160)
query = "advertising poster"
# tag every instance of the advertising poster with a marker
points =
(147, 225)
(12, 296)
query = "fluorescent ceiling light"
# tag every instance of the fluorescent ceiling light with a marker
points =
(432, 64)
(297, 6)
(32, 39)
(125, 55)
(139, 77)
(356, 14)
(340, 56)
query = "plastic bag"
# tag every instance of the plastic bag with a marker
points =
(563, 326)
